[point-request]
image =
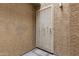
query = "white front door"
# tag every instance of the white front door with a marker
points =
(44, 28)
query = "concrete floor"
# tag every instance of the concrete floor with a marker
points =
(38, 52)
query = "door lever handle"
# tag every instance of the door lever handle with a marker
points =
(50, 30)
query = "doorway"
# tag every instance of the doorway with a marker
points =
(44, 28)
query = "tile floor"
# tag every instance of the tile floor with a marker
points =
(38, 52)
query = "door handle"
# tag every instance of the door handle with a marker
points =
(50, 30)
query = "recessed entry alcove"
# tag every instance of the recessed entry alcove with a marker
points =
(51, 27)
(19, 28)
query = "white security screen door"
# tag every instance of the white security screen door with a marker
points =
(44, 28)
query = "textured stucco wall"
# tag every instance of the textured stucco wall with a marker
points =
(74, 29)
(67, 29)
(61, 29)
(17, 34)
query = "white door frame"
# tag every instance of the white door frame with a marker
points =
(52, 24)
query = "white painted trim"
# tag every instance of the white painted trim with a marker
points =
(44, 8)
(52, 21)
(52, 27)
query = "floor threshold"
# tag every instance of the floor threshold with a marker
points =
(38, 52)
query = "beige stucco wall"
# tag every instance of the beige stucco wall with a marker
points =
(61, 29)
(74, 29)
(17, 25)
(67, 29)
